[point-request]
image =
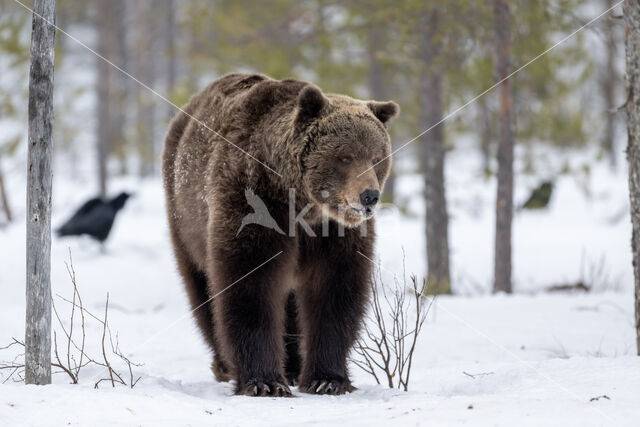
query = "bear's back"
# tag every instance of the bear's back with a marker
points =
(235, 83)
(256, 93)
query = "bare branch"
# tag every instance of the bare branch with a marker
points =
(59, 363)
(76, 357)
(104, 334)
(389, 337)
(13, 342)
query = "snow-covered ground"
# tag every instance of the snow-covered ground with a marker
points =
(541, 357)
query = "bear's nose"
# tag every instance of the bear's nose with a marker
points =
(369, 197)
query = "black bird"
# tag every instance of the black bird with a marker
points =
(540, 196)
(94, 218)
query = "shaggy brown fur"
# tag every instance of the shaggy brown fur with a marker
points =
(296, 316)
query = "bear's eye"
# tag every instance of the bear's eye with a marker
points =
(375, 161)
(346, 159)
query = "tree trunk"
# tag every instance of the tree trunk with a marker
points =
(111, 88)
(38, 319)
(608, 83)
(632, 44)
(120, 83)
(103, 90)
(504, 200)
(377, 90)
(170, 41)
(432, 157)
(145, 15)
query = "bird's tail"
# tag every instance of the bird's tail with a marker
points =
(61, 231)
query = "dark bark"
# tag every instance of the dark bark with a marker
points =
(432, 152)
(504, 200)
(608, 83)
(38, 286)
(632, 45)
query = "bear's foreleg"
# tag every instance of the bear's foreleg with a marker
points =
(249, 312)
(332, 301)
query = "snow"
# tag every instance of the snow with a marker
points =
(514, 395)
(585, 229)
(532, 358)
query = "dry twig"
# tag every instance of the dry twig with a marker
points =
(387, 345)
(77, 356)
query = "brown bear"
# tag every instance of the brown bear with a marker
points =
(281, 304)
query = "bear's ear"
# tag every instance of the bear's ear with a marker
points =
(384, 111)
(310, 102)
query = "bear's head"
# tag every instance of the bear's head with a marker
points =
(347, 153)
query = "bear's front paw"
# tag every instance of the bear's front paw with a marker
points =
(327, 386)
(263, 387)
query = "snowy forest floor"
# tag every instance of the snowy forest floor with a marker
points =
(532, 358)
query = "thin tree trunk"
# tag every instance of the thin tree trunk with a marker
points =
(5, 200)
(170, 41)
(376, 69)
(111, 88)
(608, 83)
(38, 320)
(145, 72)
(191, 45)
(120, 83)
(103, 90)
(504, 200)
(632, 44)
(432, 157)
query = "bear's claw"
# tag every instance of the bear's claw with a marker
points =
(328, 387)
(258, 387)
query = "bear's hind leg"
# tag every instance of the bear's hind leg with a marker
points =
(220, 369)
(196, 285)
(202, 307)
